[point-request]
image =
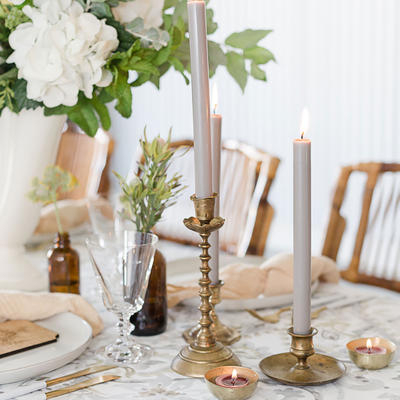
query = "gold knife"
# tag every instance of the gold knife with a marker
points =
(84, 372)
(38, 385)
(82, 385)
(78, 386)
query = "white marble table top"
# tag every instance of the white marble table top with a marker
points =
(378, 316)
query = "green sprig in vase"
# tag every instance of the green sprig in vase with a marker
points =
(144, 200)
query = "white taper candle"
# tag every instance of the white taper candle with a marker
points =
(200, 97)
(302, 231)
(216, 123)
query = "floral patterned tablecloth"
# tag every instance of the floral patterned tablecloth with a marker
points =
(154, 380)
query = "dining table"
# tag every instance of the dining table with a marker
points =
(377, 315)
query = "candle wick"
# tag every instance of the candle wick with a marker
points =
(302, 135)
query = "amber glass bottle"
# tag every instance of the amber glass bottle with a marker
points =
(63, 266)
(152, 319)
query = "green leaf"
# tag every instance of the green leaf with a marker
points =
(101, 10)
(247, 38)
(258, 54)
(137, 25)
(216, 56)
(236, 67)
(83, 115)
(257, 73)
(162, 56)
(20, 99)
(170, 3)
(177, 64)
(121, 90)
(125, 38)
(212, 26)
(102, 112)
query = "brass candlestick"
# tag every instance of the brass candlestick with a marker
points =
(302, 366)
(222, 332)
(205, 352)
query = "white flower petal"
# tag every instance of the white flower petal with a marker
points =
(53, 96)
(149, 10)
(62, 51)
(106, 78)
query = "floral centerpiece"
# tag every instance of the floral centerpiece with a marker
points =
(72, 57)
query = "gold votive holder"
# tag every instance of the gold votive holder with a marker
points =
(233, 393)
(302, 366)
(371, 360)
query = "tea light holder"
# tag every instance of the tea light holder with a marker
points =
(231, 393)
(205, 352)
(302, 366)
(371, 360)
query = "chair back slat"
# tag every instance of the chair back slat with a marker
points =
(376, 252)
(246, 176)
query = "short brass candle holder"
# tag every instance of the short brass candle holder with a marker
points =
(222, 332)
(302, 366)
(226, 393)
(371, 360)
(204, 353)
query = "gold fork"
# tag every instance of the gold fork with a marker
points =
(276, 316)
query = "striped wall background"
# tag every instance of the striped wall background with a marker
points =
(341, 58)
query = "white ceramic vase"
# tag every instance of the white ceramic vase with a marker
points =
(28, 143)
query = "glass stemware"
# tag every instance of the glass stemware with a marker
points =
(122, 264)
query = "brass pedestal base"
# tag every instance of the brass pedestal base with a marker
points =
(196, 361)
(222, 332)
(302, 367)
(321, 369)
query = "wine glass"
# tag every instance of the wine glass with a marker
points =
(122, 264)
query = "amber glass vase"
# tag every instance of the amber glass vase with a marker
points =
(152, 319)
(63, 266)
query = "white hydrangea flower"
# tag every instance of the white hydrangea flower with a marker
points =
(149, 10)
(17, 2)
(62, 51)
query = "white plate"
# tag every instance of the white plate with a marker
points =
(184, 270)
(74, 337)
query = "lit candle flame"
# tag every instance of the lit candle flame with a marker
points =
(369, 345)
(214, 98)
(234, 376)
(305, 122)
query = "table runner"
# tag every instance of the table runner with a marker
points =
(379, 316)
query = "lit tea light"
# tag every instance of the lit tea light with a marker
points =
(371, 353)
(232, 380)
(370, 349)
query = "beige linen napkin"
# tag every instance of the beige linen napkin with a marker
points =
(273, 277)
(34, 306)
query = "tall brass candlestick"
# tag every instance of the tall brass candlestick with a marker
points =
(205, 352)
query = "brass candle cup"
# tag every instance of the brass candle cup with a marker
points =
(238, 393)
(371, 361)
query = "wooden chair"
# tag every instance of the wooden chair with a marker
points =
(246, 178)
(376, 254)
(87, 159)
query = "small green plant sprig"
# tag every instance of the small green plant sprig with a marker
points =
(151, 192)
(48, 189)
